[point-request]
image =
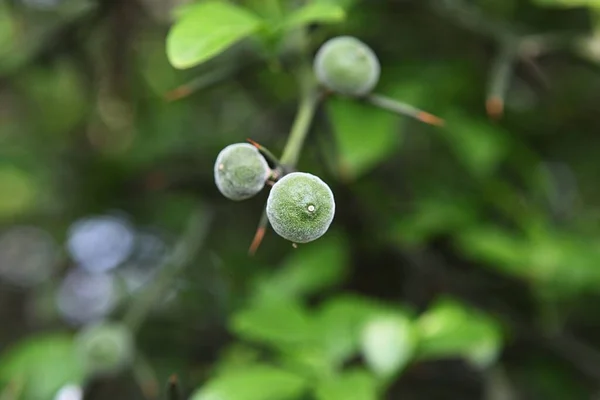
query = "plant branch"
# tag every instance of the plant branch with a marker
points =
(499, 82)
(401, 108)
(182, 254)
(306, 111)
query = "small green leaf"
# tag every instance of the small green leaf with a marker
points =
(309, 272)
(507, 251)
(339, 325)
(314, 13)
(388, 344)
(353, 385)
(568, 3)
(434, 214)
(42, 364)
(254, 382)
(22, 188)
(207, 29)
(365, 136)
(276, 323)
(449, 329)
(479, 145)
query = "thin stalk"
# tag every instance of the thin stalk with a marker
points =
(182, 254)
(306, 111)
(500, 77)
(268, 155)
(173, 390)
(260, 233)
(402, 108)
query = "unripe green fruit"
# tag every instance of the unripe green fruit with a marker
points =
(300, 207)
(105, 348)
(240, 171)
(348, 66)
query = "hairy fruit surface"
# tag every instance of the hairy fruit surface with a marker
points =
(240, 171)
(300, 207)
(347, 66)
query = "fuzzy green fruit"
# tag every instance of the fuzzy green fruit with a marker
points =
(240, 171)
(105, 348)
(348, 66)
(300, 207)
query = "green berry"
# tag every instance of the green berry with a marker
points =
(348, 66)
(240, 171)
(300, 207)
(105, 348)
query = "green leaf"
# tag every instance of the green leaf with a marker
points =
(434, 214)
(42, 364)
(507, 251)
(353, 385)
(254, 382)
(339, 325)
(388, 343)
(449, 329)
(276, 323)
(568, 3)
(478, 144)
(314, 13)
(56, 96)
(206, 30)
(22, 188)
(308, 272)
(365, 136)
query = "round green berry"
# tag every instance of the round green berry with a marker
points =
(105, 347)
(240, 171)
(348, 66)
(300, 207)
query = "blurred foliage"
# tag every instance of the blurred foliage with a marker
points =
(463, 262)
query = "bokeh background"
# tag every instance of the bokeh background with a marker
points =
(463, 261)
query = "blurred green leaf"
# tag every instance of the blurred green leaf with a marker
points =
(6, 29)
(449, 329)
(340, 321)
(19, 189)
(365, 136)
(496, 246)
(388, 343)
(433, 215)
(310, 270)
(352, 385)
(254, 382)
(275, 323)
(311, 13)
(568, 3)
(478, 144)
(56, 95)
(207, 29)
(43, 364)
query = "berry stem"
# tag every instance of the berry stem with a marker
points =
(260, 233)
(304, 116)
(265, 152)
(401, 108)
(500, 79)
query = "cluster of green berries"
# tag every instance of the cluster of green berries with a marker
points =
(300, 206)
